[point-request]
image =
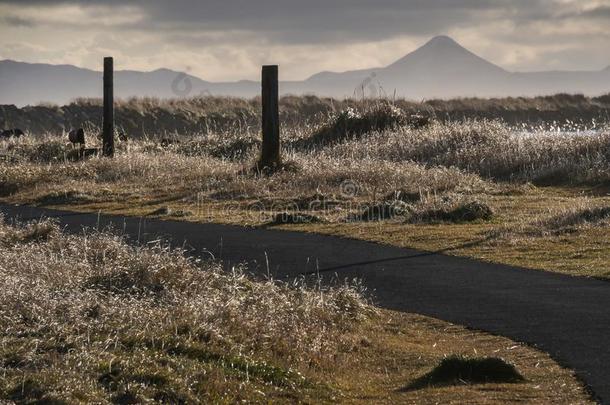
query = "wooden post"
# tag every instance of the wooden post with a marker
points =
(108, 123)
(270, 154)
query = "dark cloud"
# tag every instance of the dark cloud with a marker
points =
(316, 21)
(309, 35)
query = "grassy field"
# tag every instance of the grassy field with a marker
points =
(475, 188)
(210, 115)
(106, 329)
(89, 318)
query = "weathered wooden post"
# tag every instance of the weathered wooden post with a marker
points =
(270, 154)
(108, 122)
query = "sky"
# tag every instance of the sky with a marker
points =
(222, 40)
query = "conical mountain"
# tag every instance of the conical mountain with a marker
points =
(443, 54)
(439, 68)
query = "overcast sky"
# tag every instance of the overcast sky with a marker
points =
(230, 39)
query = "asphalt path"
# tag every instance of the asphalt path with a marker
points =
(567, 317)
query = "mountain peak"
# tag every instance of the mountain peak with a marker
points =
(442, 41)
(442, 54)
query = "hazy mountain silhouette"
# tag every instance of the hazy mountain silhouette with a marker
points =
(439, 69)
(27, 83)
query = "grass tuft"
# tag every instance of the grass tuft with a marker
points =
(352, 123)
(587, 216)
(454, 212)
(457, 370)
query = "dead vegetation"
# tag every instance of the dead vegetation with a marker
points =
(581, 216)
(89, 318)
(141, 117)
(353, 124)
(493, 151)
(356, 163)
(92, 318)
(108, 310)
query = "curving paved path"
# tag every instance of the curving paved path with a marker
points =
(568, 317)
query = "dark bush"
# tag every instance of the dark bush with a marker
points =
(457, 370)
(351, 123)
(462, 212)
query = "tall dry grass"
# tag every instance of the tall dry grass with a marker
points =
(204, 115)
(467, 158)
(89, 318)
(492, 150)
(212, 165)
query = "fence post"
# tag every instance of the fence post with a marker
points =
(270, 154)
(108, 122)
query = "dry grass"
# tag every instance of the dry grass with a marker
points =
(150, 116)
(580, 216)
(494, 151)
(194, 168)
(546, 229)
(88, 318)
(465, 182)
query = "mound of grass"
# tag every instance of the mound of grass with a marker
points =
(580, 217)
(63, 198)
(351, 123)
(492, 150)
(470, 211)
(457, 370)
(467, 211)
(37, 231)
(51, 150)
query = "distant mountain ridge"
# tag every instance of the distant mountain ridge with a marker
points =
(441, 68)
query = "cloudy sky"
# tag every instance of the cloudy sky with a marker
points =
(230, 39)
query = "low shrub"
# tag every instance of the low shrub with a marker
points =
(459, 370)
(462, 211)
(351, 123)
